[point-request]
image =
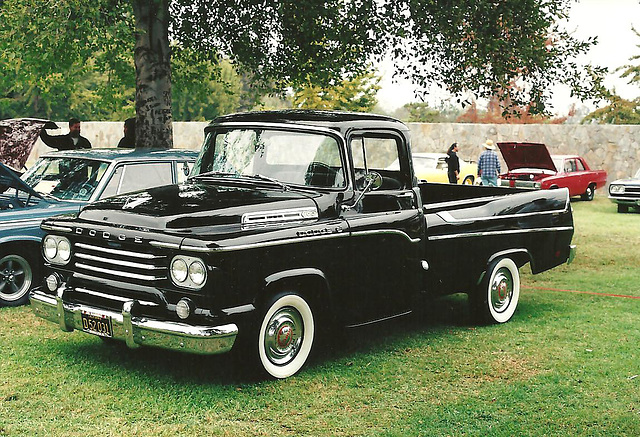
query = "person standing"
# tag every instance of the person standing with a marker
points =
(489, 165)
(129, 138)
(453, 164)
(72, 140)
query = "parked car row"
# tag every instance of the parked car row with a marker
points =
(61, 183)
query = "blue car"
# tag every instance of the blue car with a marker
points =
(60, 183)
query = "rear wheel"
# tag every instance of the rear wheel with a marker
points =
(589, 193)
(497, 298)
(16, 278)
(286, 335)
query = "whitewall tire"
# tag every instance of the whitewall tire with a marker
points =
(286, 335)
(497, 299)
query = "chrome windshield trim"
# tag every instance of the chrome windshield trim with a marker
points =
(119, 273)
(119, 262)
(118, 251)
(492, 233)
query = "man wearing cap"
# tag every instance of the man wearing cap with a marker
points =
(489, 165)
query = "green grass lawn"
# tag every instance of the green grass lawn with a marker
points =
(567, 364)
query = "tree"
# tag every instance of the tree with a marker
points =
(357, 95)
(479, 46)
(620, 111)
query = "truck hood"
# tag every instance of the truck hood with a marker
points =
(184, 208)
(17, 137)
(527, 155)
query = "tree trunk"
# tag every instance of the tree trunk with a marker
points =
(152, 58)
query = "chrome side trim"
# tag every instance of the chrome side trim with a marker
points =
(301, 240)
(492, 233)
(119, 262)
(15, 223)
(56, 228)
(357, 325)
(447, 217)
(119, 251)
(120, 274)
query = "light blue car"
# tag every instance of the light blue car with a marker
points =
(60, 183)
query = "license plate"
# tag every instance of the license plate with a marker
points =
(95, 324)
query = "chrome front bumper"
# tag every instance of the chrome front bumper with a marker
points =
(137, 331)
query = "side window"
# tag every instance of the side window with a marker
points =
(379, 153)
(579, 165)
(134, 177)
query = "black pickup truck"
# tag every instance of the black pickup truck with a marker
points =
(292, 222)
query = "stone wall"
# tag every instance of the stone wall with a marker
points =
(614, 148)
(611, 147)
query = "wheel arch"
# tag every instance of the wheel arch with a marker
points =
(520, 257)
(310, 282)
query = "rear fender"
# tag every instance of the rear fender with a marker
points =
(519, 256)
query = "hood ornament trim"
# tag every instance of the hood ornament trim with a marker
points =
(279, 216)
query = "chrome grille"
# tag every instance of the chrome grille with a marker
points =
(118, 263)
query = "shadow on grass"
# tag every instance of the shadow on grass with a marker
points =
(437, 317)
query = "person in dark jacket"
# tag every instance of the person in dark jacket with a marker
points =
(72, 140)
(453, 164)
(129, 138)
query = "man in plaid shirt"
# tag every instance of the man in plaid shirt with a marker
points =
(489, 165)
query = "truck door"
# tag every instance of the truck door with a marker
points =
(386, 229)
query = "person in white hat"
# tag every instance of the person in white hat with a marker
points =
(489, 165)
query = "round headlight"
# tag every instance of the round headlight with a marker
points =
(197, 273)
(50, 247)
(616, 189)
(64, 250)
(179, 270)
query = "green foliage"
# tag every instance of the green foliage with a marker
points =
(357, 95)
(620, 111)
(423, 113)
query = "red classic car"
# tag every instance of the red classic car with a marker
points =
(531, 166)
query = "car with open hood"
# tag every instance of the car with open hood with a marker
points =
(626, 193)
(61, 183)
(531, 166)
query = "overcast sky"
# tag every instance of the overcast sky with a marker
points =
(609, 20)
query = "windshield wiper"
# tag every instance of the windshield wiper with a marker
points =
(213, 173)
(284, 186)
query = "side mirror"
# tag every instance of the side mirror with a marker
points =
(372, 181)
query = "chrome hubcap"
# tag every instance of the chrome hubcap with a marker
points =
(501, 290)
(283, 336)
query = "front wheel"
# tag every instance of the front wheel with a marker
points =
(623, 208)
(497, 298)
(589, 193)
(286, 335)
(16, 277)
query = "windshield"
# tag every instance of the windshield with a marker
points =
(423, 164)
(65, 178)
(310, 159)
(637, 176)
(559, 164)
